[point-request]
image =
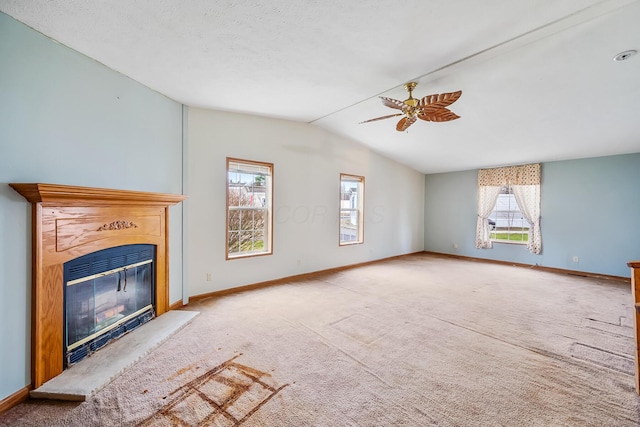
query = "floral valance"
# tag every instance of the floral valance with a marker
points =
(511, 175)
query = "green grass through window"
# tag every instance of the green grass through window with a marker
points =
(515, 235)
(257, 245)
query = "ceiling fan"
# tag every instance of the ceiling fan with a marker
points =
(431, 108)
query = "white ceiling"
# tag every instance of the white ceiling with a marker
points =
(538, 79)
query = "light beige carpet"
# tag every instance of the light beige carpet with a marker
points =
(414, 341)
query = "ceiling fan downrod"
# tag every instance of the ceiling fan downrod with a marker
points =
(411, 102)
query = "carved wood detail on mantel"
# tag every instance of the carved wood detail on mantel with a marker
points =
(71, 221)
(118, 225)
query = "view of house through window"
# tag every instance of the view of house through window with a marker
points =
(506, 221)
(249, 219)
(351, 209)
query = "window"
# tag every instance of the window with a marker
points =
(509, 207)
(506, 221)
(249, 201)
(351, 209)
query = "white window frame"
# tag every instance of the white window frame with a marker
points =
(351, 208)
(496, 213)
(239, 171)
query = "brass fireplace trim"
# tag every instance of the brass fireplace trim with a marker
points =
(65, 223)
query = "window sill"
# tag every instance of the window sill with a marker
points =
(510, 242)
(350, 243)
(244, 256)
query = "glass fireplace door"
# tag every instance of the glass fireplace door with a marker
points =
(98, 303)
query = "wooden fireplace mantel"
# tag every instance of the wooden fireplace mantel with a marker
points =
(74, 196)
(70, 221)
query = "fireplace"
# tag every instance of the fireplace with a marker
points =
(107, 294)
(69, 223)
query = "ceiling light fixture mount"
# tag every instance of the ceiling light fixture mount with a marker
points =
(623, 56)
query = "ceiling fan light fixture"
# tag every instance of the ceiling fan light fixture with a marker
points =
(623, 56)
(430, 108)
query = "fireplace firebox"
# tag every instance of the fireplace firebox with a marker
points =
(107, 294)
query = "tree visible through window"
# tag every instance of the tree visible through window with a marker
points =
(506, 221)
(351, 209)
(249, 219)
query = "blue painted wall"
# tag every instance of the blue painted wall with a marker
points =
(66, 119)
(590, 209)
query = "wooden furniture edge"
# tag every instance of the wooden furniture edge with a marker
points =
(635, 294)
(14, 399)
(537, 267)
(45, 193)
(283, 280)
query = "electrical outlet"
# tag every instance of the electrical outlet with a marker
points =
(576, 259)
(455, 246)
(208, 277)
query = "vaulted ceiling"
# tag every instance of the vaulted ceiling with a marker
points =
(538, 79)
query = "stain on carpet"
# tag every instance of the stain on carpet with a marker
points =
(226, 395)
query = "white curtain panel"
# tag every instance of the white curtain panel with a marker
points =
(487, 196)
(528, 198)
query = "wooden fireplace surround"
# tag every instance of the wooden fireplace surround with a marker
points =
(68, 222)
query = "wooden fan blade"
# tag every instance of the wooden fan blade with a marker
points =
(437, 115)
(393, 103)
(381, 118)
(404, 123)
(440, 100)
